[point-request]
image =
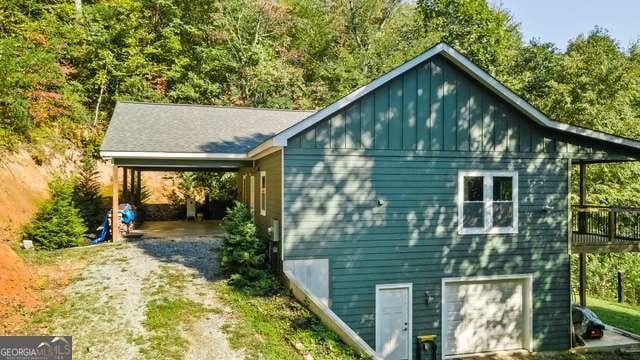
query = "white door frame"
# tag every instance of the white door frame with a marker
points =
(527, 306)
(409, 287)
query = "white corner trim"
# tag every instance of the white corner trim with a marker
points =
(282, 218)
(409, 287)
(328, 317)
(527, 307)
(488, 176)
(170, 155)
(468, 67)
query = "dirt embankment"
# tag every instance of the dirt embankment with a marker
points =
(23, 186)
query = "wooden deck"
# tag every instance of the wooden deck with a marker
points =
(600, 229)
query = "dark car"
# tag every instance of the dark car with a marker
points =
(586, 323)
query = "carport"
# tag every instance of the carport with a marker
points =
(174, 137)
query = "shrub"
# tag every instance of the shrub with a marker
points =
(58, 223)
(87, 197)
(243, 253)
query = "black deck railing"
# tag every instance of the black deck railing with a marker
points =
(605, 224)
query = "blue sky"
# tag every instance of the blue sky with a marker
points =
(559, 21)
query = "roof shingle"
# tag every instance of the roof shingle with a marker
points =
(176, 128)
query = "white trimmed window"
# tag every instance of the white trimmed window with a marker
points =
(487, 202)
(263, 193)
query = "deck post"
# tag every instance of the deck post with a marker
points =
(115, 232)
(583, 279)
(125, 182)
(583, 190)
(620, 287)
(612, 225)
(582, 223)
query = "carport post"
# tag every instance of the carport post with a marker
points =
(125, 182)
(115, 233)
(132, 188)
(139, 187)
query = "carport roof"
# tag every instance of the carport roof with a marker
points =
(191, 131)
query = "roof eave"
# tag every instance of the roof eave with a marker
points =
(107, 155)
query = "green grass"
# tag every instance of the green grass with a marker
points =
(55, 257)
(164, 319)
(278, 327)
(167, 314)
(623, 316)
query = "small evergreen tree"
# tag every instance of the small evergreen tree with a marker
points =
(58, 223)
(86, 195)
(243, 253)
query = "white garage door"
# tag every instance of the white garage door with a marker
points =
(486, 316)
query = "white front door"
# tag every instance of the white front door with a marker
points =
(393, 321)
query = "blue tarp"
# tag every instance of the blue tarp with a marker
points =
(128, 215)
(104, 232)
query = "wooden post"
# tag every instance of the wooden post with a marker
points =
(125, 182)
(582, 221)
(620, 287)
(139, 187)
(583, 279)
(115, 232)
(583, 189)
(612, 225)
(132, 187)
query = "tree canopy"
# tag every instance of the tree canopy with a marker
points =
(62, 71)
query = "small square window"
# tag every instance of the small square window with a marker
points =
(488, 202)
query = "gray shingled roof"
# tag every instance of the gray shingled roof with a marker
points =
(148, 127)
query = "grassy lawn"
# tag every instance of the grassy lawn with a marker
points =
(623, 316)
(278, 327)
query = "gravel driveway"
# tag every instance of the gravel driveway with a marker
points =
(150, 298)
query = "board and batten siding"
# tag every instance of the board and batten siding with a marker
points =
(435, 107)
(373, 188)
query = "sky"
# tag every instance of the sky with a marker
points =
(559, 21)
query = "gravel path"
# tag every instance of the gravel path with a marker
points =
(107, 305)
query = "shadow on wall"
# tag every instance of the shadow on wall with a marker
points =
(384, 220)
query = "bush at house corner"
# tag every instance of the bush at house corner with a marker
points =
(58, 223)
(243, 253)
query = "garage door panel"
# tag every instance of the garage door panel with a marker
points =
(484, 316)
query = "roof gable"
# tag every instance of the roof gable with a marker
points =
(473, 72)
(435, 106)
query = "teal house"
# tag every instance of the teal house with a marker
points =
(433, 201)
